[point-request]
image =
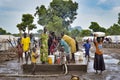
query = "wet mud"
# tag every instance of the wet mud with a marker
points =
(112, 72)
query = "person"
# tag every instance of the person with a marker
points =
(50, 38)
(98, 59)
(77, 46)
(19, 49)
(87, 47)
(44, 47)
(32, 40)
(71, 42)
(26, 46)
(66, 48)
(53, 42)
(34, 57)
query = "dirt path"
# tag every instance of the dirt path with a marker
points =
(114, 52)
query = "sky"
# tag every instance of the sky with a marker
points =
(104, 12)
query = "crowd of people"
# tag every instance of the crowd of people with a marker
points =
(49, 43)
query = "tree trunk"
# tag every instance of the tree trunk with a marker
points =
(28, 30)
(20, 33)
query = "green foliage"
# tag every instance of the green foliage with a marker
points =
(96, 27)
(27, 19)
(75, 33)
(16, 35)
(21, 27)
(65, 10)
(55, 25)
(42, 15)
(27, 22)
(2, 31)
(32, 26)
(113, 30)
(85, 33)
(40, 31)
(119, 18)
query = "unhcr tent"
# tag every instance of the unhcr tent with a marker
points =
(7, 41)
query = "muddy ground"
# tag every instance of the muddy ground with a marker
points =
(112, 72)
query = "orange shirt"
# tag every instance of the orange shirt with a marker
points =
(98, 47)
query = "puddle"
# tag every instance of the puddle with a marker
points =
(111, 77)
(111, 61)
(107, 56)
(111, 73)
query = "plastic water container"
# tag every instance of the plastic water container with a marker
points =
(81, 56)
(77, 56)
(58, 60)
(99, 34)
(51, 59)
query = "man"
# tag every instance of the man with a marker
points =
(26, 46)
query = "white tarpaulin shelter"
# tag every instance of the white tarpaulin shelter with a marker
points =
(4, 44)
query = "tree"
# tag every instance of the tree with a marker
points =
(65, 10)
(42, 15)
(119, 18)
(2, 31)
(113, 30)
(27, 20)
(75, 33)
(32, 26)
(40, 31)
(96, 27)
(85, 33)
(21, 27)
(55, 25)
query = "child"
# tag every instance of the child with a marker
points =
(19, 50)
(34, 57)
(87, 47)
(65, 48)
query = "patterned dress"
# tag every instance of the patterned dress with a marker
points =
(44, 47)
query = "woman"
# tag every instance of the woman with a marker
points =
(98, 60)
(71, 42)
(44, 46)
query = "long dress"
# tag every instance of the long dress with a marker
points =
(44, 47)
(99, 60)
(71, 42)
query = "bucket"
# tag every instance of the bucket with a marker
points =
(51, 59)
(77, 56)
(81, 56)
